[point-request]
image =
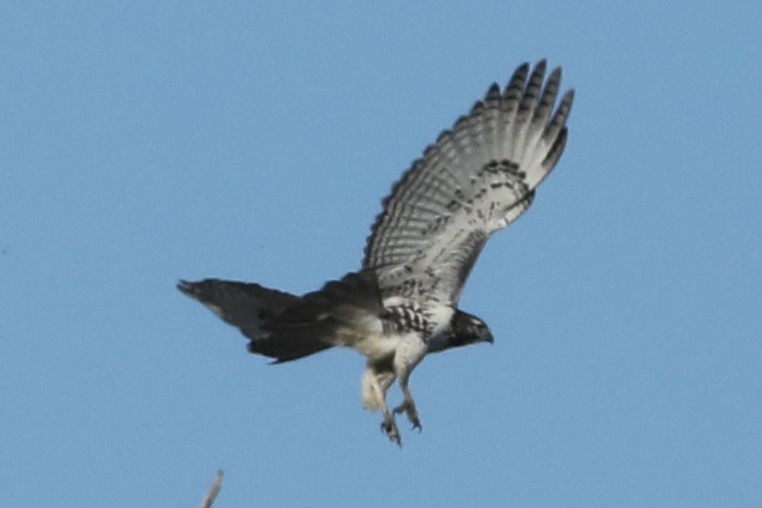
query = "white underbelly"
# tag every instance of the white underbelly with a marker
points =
(377, 346)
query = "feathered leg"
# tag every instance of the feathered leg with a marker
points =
(408, 356)
(376, 380)
(408, 406)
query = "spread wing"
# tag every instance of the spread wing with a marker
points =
(476, 179)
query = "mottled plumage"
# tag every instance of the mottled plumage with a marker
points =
(477, 178)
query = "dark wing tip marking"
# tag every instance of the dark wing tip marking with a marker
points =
(558, 120)
(493, 94)
(532, 90)
(547, 98)
(515, 86)
(557, 149)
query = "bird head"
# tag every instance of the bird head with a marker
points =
(467, 329)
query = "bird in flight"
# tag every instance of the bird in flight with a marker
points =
(477, 178)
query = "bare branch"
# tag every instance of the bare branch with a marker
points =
(214, 489)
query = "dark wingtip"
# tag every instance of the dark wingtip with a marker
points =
(493, 93)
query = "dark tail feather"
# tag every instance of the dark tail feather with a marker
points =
(248, 306)
(241, 304)
(286, 347)
(338, 299)
(327, 317)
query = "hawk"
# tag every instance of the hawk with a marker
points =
(477, 178)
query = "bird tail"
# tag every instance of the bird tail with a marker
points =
(336, 315)
(248, 306)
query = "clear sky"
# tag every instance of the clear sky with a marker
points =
(143, 142)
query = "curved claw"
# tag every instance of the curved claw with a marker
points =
(408, 407)
(389, 427)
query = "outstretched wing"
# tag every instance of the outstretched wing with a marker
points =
(476, 179)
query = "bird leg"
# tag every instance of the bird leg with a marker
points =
(408, 406)
(374, 385)
(409, 354)
(389, 426)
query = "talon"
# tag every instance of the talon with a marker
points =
(389, 427)
(408, 407)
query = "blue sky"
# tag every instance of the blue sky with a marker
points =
(143, 142)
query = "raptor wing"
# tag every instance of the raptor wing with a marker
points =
(477, 178)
